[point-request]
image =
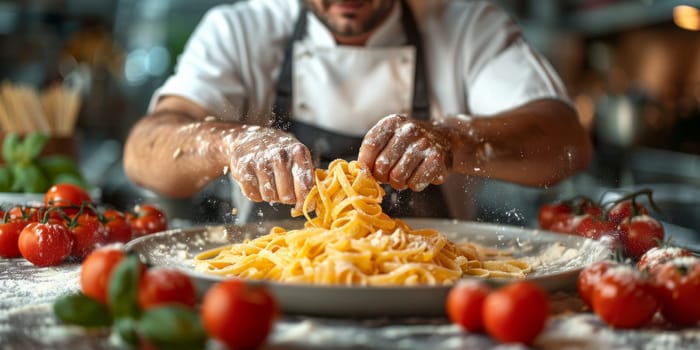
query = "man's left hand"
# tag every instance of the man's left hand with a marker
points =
(406, 153)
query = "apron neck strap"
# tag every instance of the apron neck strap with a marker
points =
(282, 108)
(421, 100)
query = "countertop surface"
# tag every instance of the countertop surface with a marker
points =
(27, 322)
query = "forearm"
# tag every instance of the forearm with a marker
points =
(537, 144)
(177, 155)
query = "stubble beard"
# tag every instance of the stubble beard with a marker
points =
(349, 29)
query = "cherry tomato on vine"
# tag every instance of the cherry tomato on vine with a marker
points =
(596, 228)
(25, 213)
(516, 313)
(566, 223)
(9, 238)
(118, 229)
(564, 216)
(640, 233)
(658, 256)
(45, 244)
(239, 315)
(88, 234)
(589, 278)
(464, 303)
(160, 286)
(96, 270)
(678, 285)
(624, 298)
(587, 206)
(548, 213)
(146, 219)
(623, 210)
(66, 195)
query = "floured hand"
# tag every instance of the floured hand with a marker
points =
(406, 153)
(271, 165)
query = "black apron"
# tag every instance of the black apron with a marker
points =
(328, 145)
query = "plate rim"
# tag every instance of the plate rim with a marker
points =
(411, 221)
(371, 302)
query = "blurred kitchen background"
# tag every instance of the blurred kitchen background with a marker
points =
(632, 68)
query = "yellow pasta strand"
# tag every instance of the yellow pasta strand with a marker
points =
(351, 241)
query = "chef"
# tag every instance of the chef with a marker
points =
(426, 94)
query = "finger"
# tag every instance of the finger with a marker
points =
(405, 135)
(244, 174)
(283, 178)
(302, 174)
(407, 165)
(431, 170)
(250, 189)
(375, 140)
(266, 181)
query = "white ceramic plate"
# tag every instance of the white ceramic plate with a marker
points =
(557, 259)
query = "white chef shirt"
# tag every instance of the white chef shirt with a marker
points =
(477, 61)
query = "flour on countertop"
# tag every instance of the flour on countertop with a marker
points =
(27, 322)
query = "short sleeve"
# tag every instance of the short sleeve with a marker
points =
(505, 71)
(207, 72)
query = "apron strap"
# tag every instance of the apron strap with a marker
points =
(421, 99)
(282, 108)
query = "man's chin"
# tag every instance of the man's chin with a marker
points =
(347, 27)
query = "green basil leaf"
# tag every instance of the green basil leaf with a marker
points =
(28, 178)
(19, 174)
(81, 310)
(71, 179)
(35, 181)
(10, 148)
(32, 145)
(173, 327)
(57, 164)
(122, 291)
(6, 179)
(125, 328)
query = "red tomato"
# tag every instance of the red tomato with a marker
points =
(66, 195)
(96, 271)
(623, 298)
(9, 238)
(566, 223)
(589, 278)
(516, 313)
(239, 315)
(24, 213)
(464, 303)
(678, 286)
(160, 285)
(147, 219)
(36, 214)
(564, 216)
(118, 229)
(658, 256)
(593, 210)
(549, 212)
(587, 206)
(623, 210)
(88, 234)
(595, 228)
(45, 244)
(640, 233)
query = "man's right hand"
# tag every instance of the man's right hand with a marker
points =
(272, 165)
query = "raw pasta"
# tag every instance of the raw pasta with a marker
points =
(351, 241)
